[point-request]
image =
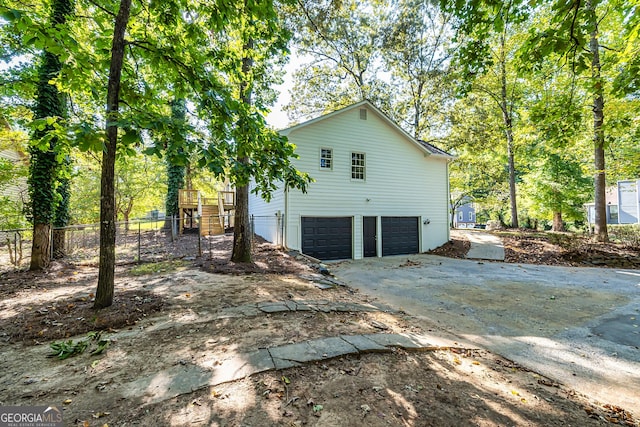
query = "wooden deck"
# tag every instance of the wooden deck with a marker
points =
(210, 214)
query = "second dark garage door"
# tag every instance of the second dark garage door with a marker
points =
(399, 235)
(327, 238)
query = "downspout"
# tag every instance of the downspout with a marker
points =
(448, 197)
(285, 218)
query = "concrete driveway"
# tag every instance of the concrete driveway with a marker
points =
(580, 326)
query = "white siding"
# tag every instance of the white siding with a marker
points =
(16, 190)
(401, 179)
(266, 221)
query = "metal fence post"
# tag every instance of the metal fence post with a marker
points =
(139, 244)
(199, 239)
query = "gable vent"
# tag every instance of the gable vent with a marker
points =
(363, 114)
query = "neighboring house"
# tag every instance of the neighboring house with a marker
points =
(465, 216)
(623, 203)
(15, 190)
(377, 191)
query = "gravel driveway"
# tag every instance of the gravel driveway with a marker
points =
(580, 326)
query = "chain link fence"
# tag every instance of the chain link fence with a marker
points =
(140, 241)
(136, 241)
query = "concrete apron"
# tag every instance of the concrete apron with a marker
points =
(580, 326)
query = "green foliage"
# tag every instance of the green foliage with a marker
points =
(65, 349)
(175, 161)
(175, 181)
(557, 183)
(628, 235)
(417, 48)
(343, 40)
(158, 267)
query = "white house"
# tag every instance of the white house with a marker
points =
(15, 191)
(377, 191)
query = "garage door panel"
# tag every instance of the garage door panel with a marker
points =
(399, 235)
(327, 238)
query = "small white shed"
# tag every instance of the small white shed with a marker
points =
(377, 191)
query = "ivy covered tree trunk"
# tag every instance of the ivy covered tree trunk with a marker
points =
(104, 292)
(242, 227)
(61, 213)
(43, 164)
(175, 163)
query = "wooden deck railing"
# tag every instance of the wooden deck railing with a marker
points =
(228, 198)
(188, 197)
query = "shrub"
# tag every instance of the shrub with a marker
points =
(628, 234)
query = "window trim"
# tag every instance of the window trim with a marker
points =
(331, 158)
(363, 166)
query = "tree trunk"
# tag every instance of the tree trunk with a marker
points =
(175, 172)
(558, 225)
(40, 254)
(600, 222)
(242, 228)
(104, 292)
(43, 164)
(61, 212)
(187, 177)
(58, 243)
(508, 128)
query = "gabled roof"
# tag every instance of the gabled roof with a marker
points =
(422, 145)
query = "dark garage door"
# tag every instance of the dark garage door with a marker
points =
(399, 235)
(327, 238)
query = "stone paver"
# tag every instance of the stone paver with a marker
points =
(181, 379)
(363, 344)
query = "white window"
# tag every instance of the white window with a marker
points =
(460, 216)
(357, 166)
(470, 216)
(326, 158)
(613, 214)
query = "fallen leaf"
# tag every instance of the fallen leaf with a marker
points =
(100, 414)
(475, 362)
(515, 393)
(66, 402)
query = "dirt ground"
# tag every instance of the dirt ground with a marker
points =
(182, 312)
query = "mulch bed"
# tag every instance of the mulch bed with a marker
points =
(454, 248)
(75, 316)
(66, 317)
(576, 251)
(266, 258)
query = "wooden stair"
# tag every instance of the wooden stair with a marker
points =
(211, 222)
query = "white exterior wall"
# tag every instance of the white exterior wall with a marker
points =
(401, 179)
(17, 190)
(267, 222)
